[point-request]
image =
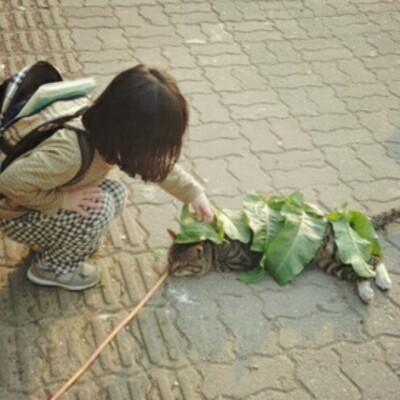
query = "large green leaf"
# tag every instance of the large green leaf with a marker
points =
(295, 245)
(265, 222)
(193, 231)
(252, 276)
(233, 224)
(276, 202)
(363, 226)
(352, 248)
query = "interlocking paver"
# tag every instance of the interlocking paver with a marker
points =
(283, 95)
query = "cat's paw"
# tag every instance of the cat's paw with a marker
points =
(382, 278)
(365, 291)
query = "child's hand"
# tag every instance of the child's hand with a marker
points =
(202, 208)
(76, 200)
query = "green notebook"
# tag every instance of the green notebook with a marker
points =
(54, 91)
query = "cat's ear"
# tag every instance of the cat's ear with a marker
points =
(173, 234)
(199, 248)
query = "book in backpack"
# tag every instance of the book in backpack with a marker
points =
(34, 104)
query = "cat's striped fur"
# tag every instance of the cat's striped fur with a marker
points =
(200, 258)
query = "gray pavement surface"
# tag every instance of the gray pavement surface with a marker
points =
(284, 95)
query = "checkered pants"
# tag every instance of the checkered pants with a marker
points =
(67, 239)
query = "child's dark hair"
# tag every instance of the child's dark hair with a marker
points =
(138, 122)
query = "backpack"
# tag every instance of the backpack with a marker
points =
(19, 134)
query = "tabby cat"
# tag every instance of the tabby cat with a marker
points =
(197, 259)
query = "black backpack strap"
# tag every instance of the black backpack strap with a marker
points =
(24, 145)
(87, 152)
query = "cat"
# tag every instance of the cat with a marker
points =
(197, 259)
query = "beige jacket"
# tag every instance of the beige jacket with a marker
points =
(35, 180)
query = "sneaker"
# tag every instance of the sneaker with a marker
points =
(83, 277)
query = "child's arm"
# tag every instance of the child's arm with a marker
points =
(202, 208)
(184, 187)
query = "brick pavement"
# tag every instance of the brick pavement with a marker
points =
(284, 95)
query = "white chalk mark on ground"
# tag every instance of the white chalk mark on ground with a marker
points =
(181, 295)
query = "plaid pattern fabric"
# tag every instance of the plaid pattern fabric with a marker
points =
(67, 239)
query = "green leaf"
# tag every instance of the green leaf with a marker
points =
(265, 222)
(252, 276)
(276, 202)
(294, 202)
(313, 210)
(193, 231)
(295, 245)
(157, 253)
(352, 248)
(363, 226)
(233, 224)
(335, 216)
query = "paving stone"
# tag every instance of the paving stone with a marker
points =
(374, 361)
(260, 136)
(222, 183)
(320, 9)
(315, 27)
(368, 154)
(213, 340)
(226, 12)
(259, 111)
(326, 101)
(256, 36)
(284, 52)
(194, 18)
(86, 12)
(259, 54)
(248, 172)
(298, 101)
(112, 38)
(210, 108)
(295, 81)
(250, 97)
(179, 57)
(390, 344)
(151, 57)
(248, 377)
(192, 87)
(219, 148)
(381, 191)
(322, 366)
(212, 131)
(107, 67)
(283, 96)
(341, 159)
(328, 122)
(319, 330)
(86, 39)
(222, 79)
(128, 16)
(292, 160)
(216, 32)
(311, 177)
(250, 78)
(291, 29)
(290, 133)
(274, 395)
(332, 196)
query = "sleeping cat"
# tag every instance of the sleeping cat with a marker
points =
(197, 259)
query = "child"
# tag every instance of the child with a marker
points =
(137, 124)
